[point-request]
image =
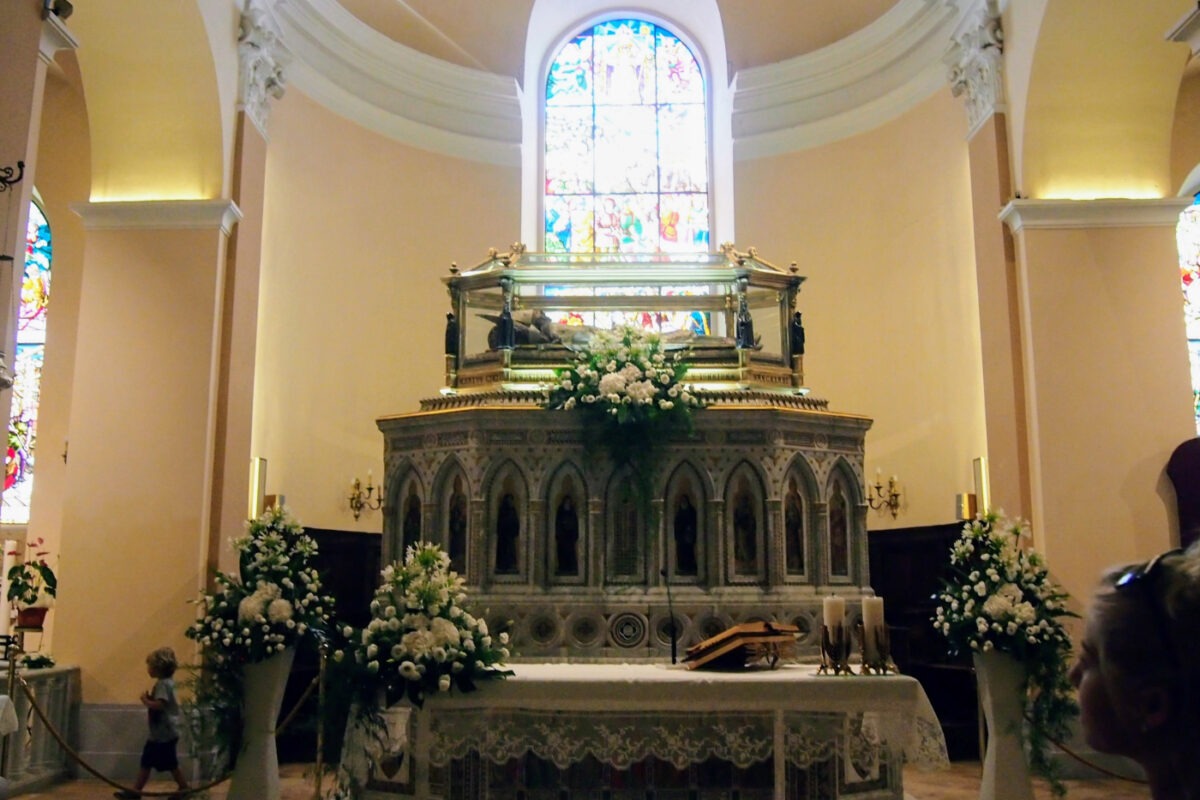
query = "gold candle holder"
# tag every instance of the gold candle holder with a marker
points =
(876, 651)
(835, 651)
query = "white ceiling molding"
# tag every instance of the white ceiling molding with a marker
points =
(1086, 214)
(846, 88)
(1187, 30)
(851, 86)
(359, 73)
(160, 215)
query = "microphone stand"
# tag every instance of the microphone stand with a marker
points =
(671, 611)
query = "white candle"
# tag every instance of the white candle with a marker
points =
(10, 558)
(835, 611)
(872, 616)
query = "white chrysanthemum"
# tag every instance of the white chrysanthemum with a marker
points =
(279, 610)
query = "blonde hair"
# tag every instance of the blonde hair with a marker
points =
(162, 662)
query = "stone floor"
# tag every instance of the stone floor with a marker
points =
(960, 782)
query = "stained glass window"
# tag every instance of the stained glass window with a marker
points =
(27, 371)
(1188, 238)
(626, 147)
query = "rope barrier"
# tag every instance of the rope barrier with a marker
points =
(1089, 764)
(318, 681)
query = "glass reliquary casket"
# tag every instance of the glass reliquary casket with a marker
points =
(516, 315)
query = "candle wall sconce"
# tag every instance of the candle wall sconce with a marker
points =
(365, 498)
(881, 498)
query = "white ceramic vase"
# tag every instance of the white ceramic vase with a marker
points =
(256, 773)
(1001, 681)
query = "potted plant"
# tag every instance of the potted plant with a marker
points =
(32, 586)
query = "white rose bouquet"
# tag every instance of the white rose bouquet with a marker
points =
(1000, 596)
(632, 392)
(421, 640)
(274, 601)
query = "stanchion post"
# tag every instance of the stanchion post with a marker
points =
(323, 649)
(13, 645)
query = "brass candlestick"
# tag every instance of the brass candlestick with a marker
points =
(876, 652)
(835, 651)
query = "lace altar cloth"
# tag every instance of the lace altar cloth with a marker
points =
(621, 714)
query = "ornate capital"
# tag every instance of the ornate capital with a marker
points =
(262, 59)
(975, 61)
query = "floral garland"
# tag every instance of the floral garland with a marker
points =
(1000, 597)
(632, 393)
(274, 601)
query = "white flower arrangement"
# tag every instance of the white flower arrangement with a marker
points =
(421, 640)
(1000, 596)
(274, 601)
(632, 391)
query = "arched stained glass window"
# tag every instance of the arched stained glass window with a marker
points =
(626, 147)
(1188, 238)
(27, 371)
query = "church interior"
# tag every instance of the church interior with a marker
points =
(258, 214)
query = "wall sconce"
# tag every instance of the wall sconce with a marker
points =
(364, 498)
(878, 498)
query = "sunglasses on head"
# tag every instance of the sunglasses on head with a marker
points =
(1143, 579)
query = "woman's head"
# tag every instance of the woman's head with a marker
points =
(1138, 660)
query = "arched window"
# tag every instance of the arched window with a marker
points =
(1188, 238)
(625, 143)
(27, 371)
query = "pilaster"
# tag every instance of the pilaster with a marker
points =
(1107, 377)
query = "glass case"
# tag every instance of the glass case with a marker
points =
(517, 316)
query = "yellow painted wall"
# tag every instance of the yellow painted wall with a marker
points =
(881, 225)
(134, 543)
(1106, 349)
(358, 232)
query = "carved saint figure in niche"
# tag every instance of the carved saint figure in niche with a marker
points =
(685, 536)
(839, 533)
(456, 533)
(624, 553)
(412, 518)
(508, 529)
(566, 538)
(745, 531)
(793, 526)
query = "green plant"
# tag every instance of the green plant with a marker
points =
(32, 582)
(1000, 597)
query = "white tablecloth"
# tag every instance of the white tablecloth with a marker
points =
(622, 713)
(8, 715)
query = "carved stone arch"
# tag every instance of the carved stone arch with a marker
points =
(565, 539)
(844, 524)
(625, 532)
(687, 540)
(451, 521)
(798, 501)
(746, 525)
(400, 476)
(509, 519)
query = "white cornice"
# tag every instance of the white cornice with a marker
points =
(851, 86)
(1187, 30)
(55, 36)
(160, 215)
(354, 70)
(848, 87)
(1086, 214)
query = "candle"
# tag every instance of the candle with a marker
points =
(872, 617)
(835, 612)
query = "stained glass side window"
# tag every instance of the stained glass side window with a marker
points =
(27, 371)
(626, 148)
(1188, 238)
